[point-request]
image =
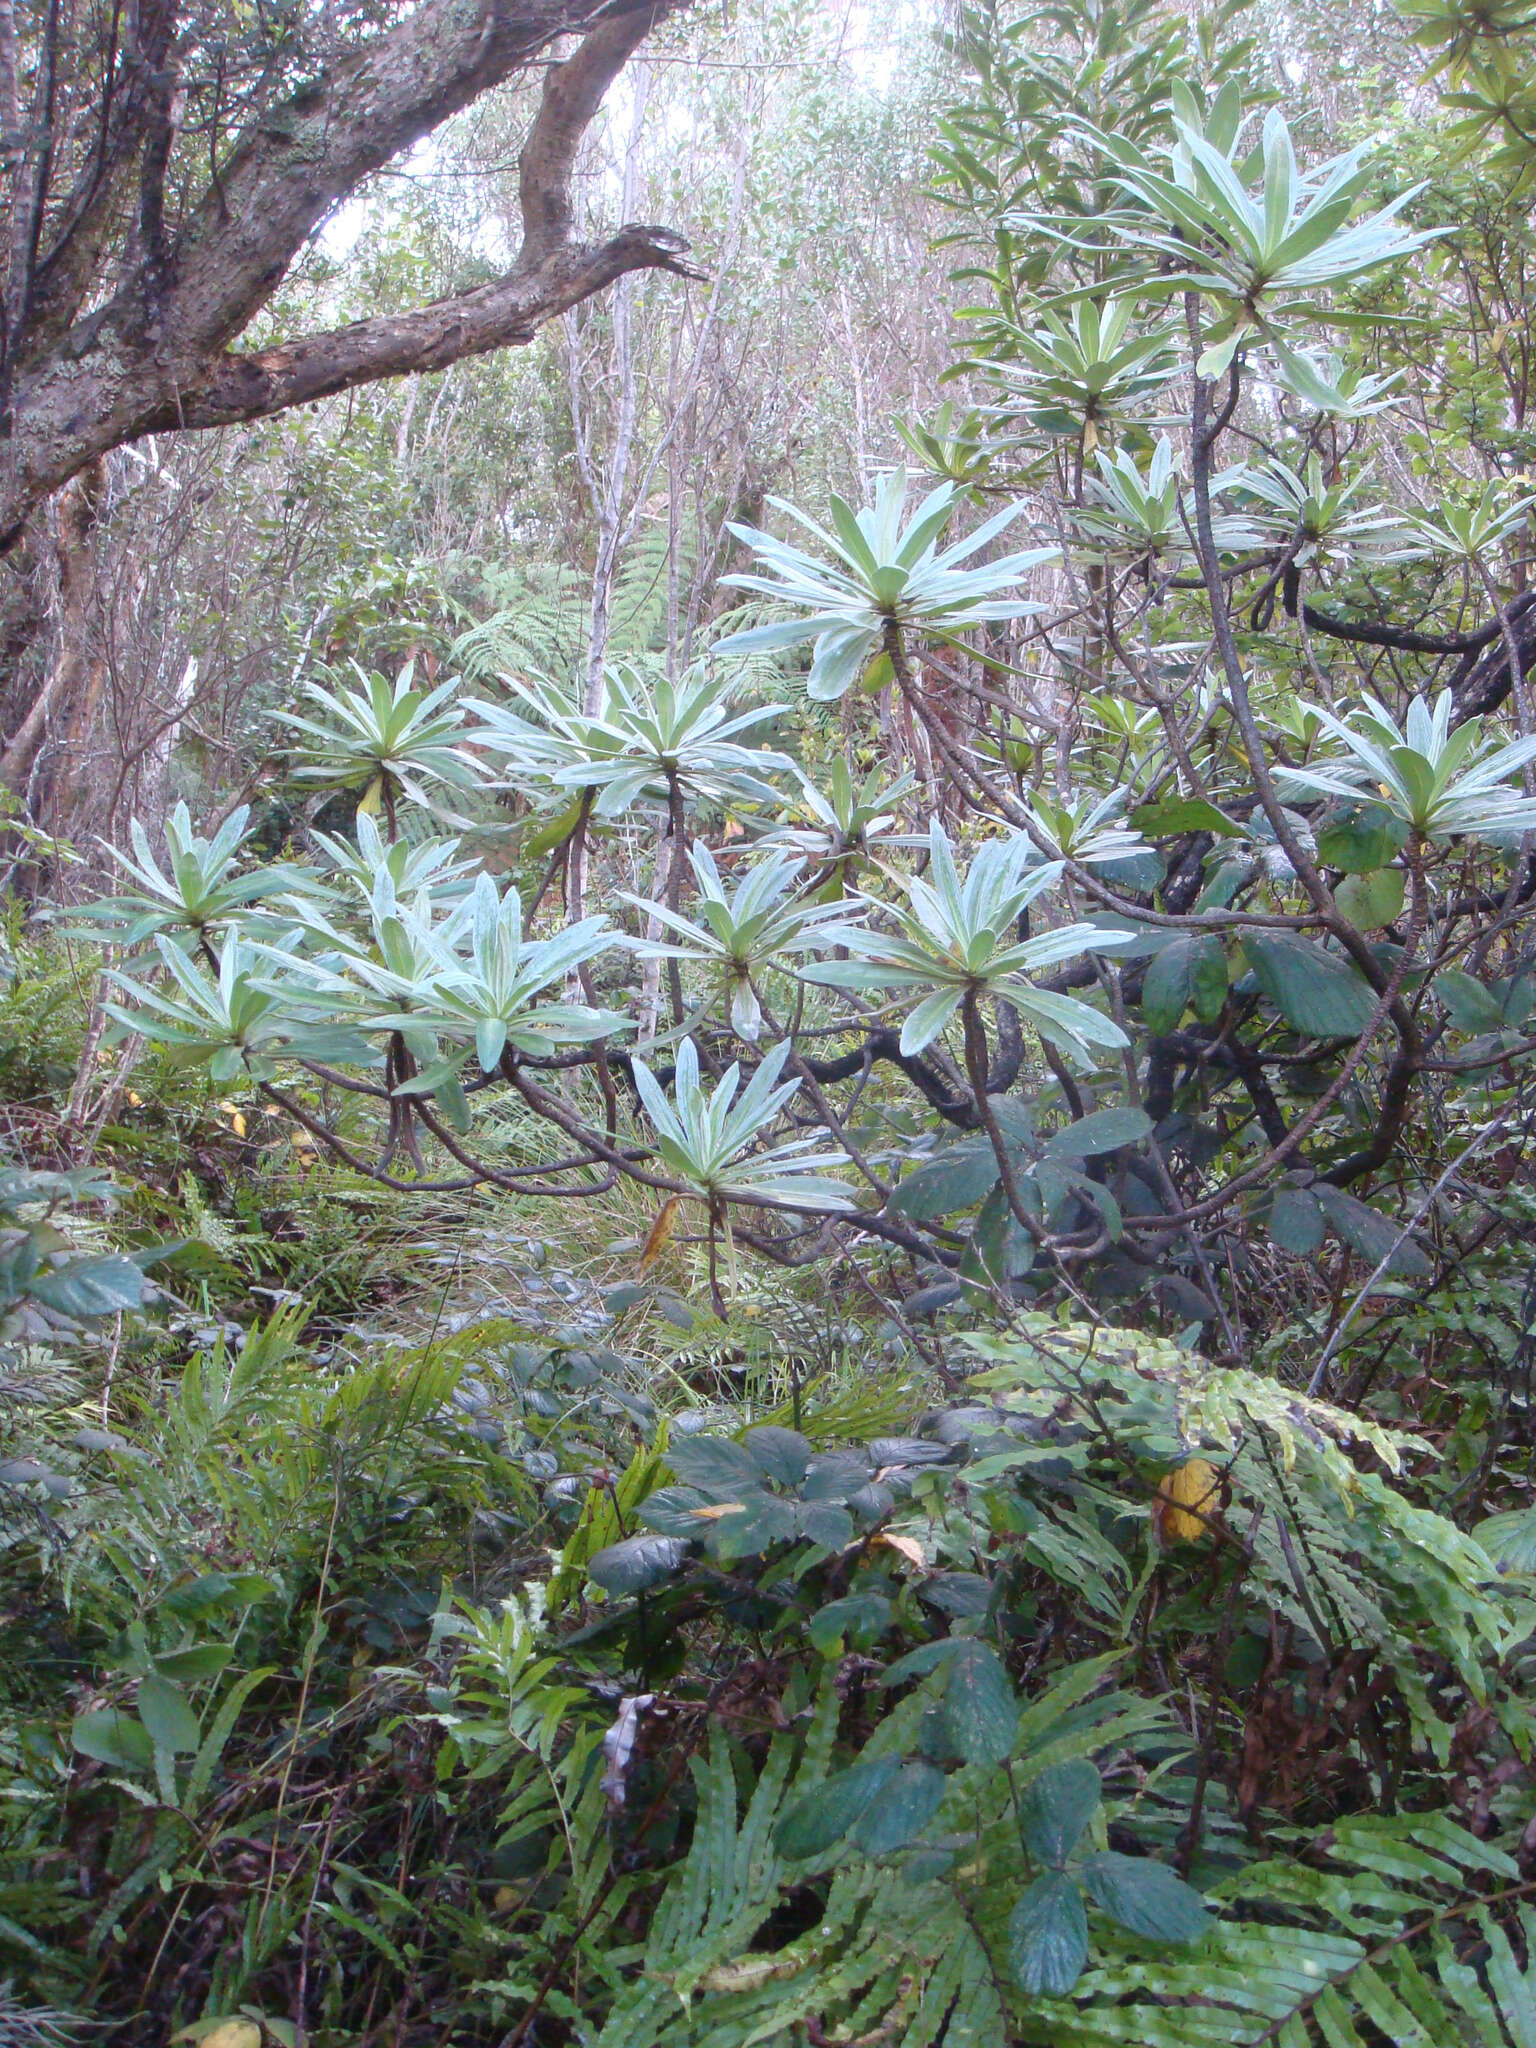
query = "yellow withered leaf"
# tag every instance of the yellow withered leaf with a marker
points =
(904, 1546)
(233, 2034)
(661, 1234)
(1187, 1502)
(371, 802)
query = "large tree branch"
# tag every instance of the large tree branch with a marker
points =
(500, 315)
(157, 357)
(289, 169)
(1363, 633)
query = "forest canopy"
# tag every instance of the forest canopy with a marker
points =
(766, 1010)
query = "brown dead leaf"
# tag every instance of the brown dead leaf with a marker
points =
(661, 1234)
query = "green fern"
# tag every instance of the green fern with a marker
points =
(887, 1955)
(908, 1949)
(1403, 1932)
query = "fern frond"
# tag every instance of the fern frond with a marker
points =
(1409, 1934)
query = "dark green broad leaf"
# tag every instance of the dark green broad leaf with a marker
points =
(1056, 1808)
(928, 1301)
(636, 1564)
(676, 1311)
(1048, 1937)
(1106, 1130)
(198, 1661)
(1146, 939)
(761, 1520)
(872, 1503)
(824, 1523)
(1361, 837)
(165, 1712)
(999, 1248)
(820, 1820)
(219, 1589)
(1296, 1220)
(836, 1475)
(1373, 899)
(674, 1511)
(908, 1450)
(1145, 1897)
(1315, 991)
(1138, 874)
(113, 1737)
(856, 1622)
(1368, 1232)
(1107, 1206)
(1057, 1182)
(1191, 971)
(1473, 1006)
(957, 1593)
(1226, 879)
(978, 1708)
(1181, 815)
(718, 1464)
(900, 1811)
(782, 1455)
(955, 1178)
(89, 1287)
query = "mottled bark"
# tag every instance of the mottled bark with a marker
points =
(73, 680)
(92, 361)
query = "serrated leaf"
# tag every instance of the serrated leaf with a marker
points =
(1048, 1937)
(981, 1712)
(1105, 1130)
(677, 1511)
(825, 1523)
(636, 1564)
(718, 1464)
(1472, 1007)
(1296, 1220)
(1368, 1232)
(1358, 839)
(763, 1520)
(1057, 1807)
(817, 1822)
(1372, 900)
(857, 1621)
(782, 1455)
(1145, 1897)
(89, 1286)
(899, 1811)
(956, 1178)
(1314, 990)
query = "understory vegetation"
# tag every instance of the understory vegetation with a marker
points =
(766, 1184)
